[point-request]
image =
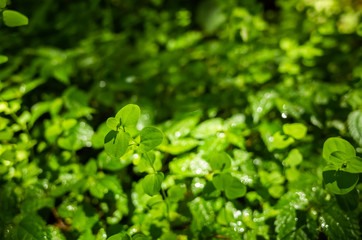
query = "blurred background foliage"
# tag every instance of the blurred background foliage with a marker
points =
(214, 75)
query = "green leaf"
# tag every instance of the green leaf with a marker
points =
(116, 143)
(203, 214)
(14, 18)
(76, 137)
(151, 137)
(140, 236)
(222, 181)
(220, 161)
(296, 130)
(87, 235)
(285, 222)
(85, 217)
(349, 201)
(99, 135)
(338, 158)
(113, 123)
(262, 103)
(3, 3)
(281, 141)
(147, 161)
(152, 183)
(179, 146)
(3, 59)
(337, 144)
(55, 233)
(31, 227)
(129, 115)
(354, 165)
(181, 128)
(355, 126)
(236, 189)
(32, 205)
(294, 158)
(345, 162)
(276, 190)
(176, 193)
(101, 235)
(337, 224)
(208, 128)
(110, 163)
(339, 182)
(120, 236)
(232, 186)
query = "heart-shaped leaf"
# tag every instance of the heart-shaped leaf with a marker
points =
(113, 123)
(116, 143)
(128, 115)
(151, 137)
(152, 183)
(222, 181)
(220, 161)
(236, 189)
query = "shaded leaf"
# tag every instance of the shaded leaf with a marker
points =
(355, 125)
(152, 183)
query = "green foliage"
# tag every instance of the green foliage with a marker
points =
(179, 119)
(14, 19)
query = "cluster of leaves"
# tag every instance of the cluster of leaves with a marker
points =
(245, 94)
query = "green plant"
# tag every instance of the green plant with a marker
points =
(241, 94)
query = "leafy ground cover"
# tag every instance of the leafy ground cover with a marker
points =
(210, 119)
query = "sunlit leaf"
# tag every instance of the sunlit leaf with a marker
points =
(14, 19)
(296, 130)
(3, 59)
(151, 137)
(337, 144)
(294, 158)
(116, 143)
(128, 116)
(220, 161)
